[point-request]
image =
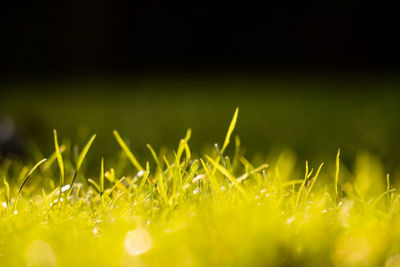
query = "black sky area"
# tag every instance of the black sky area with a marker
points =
(45, 38)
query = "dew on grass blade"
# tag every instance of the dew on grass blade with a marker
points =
(39, 253)
(65, 188)
(137, 242)
(4, 204)
(196, 191)
(198, 178)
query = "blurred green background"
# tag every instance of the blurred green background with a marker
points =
(312, 116)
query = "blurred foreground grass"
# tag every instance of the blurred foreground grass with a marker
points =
(178, 209)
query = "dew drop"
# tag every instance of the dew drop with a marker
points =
(196, 191)
(65, 188)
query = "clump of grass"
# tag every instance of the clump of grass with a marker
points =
(188, 210)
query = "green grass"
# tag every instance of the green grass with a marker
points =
(179, 209)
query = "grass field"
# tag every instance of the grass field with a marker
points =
(214, 199)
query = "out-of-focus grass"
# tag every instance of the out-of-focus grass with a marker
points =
(216, 209)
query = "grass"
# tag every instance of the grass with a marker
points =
(215, 209)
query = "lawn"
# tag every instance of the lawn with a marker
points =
(262, 185)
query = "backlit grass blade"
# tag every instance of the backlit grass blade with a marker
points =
(84, 151)
(156, 159)
(46, 202)
(313, 180)
(102, 177)
(214, 183)
(52, 158)
(227, 174)
(95, 185)
(256, 170)
(26, 179)
(191, 172)
(59, 157)
(230, 130)
(220, 155)
(300, 192)
(145, 176)
(127, 151)
(7, 191)
(388, 194)
(337, 174)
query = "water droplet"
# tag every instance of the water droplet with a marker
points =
(197, 190)
(198, 178)
(15, 212)
(324, 211)
(140, 173)
(95, 231)
(4, 204)
(138, 242)
(65, 188)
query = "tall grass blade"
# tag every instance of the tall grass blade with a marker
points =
(59, 158)
(337, 174)
(230, 130)
(127, 151)
(84, 151)
(7, 191)
(155, 157)
(26, 179)
(102, 177)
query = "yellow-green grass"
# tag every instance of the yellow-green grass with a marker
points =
(181, 209)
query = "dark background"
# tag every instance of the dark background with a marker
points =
(64, 38)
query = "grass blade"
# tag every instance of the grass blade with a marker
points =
(95, 185)
(127, 151)
(313, 180)
(337, 174)
(102, 177)
(226, 173)
(7, 191)
(84, 151)
(155, 157)
(59, 158)
(230, 130)
(26, 179)
(213, 180)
